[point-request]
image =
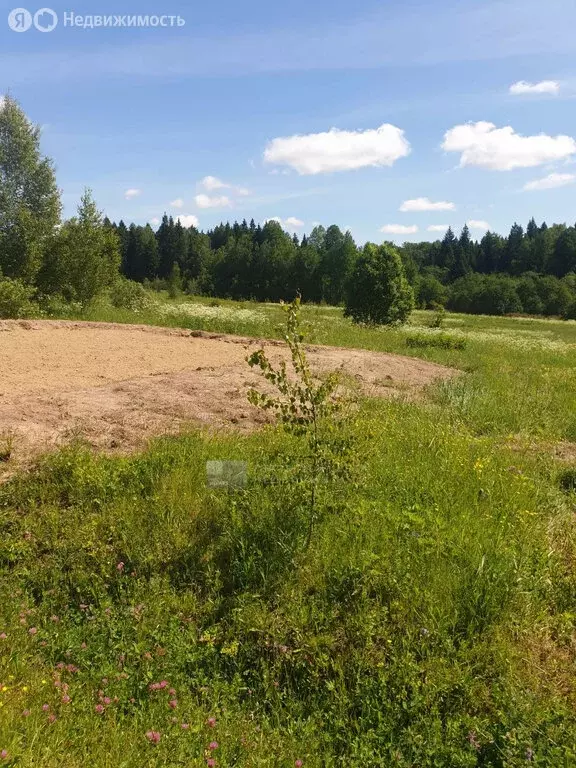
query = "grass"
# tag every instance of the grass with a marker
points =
(431, 622)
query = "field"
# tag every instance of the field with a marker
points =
(147, 620)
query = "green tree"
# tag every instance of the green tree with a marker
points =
(378, 292)
(84, 257)
(29, 197)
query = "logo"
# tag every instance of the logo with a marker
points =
(45, 20)
(20, 20)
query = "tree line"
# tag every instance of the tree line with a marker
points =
(43, 258)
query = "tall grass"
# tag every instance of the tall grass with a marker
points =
(430, 622)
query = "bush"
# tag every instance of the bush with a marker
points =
(442, 340)
(378, 292)
(126, 294)
(430, 292)
(485, 295)
(15, 299)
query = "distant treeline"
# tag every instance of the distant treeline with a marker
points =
(530, 271)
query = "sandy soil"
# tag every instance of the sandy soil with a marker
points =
(117, 385)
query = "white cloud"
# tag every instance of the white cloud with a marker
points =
(154, 222)
(337, 150)
(205, 201)
(398, 229)
(178, 203)
(484, 145)
(420, 204)
(550, 182)
(242, 191)
(544, 86)
(188, 220)
(130, 194)
(211, 183)
(290, 223)
(438, 227)
(478, 224)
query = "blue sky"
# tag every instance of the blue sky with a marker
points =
(247, 93)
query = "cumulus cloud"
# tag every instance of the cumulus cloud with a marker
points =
(155, 221)
(290, 223)
(188, 220)
(337, 150)
(205, 201)
(478, 224)
(420, 204)
(130, 194)
(399, 229)
(484, 145)
(551, 181)
(213, 184)
(178, 203)
(438, 227)
(544, 86)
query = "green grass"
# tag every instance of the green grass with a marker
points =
(430, 623)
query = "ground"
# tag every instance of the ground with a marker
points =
(117, 385)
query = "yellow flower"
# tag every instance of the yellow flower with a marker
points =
(24, 688)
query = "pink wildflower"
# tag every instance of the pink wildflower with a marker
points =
(120, 566)
(298, 763)
(66, 699)
(211, 763)
(213, 745)
(99, 709)
(172, 703)
(26, 713)
(107, 700)
(153, 737)
(45, 707)
(32, 631)
(3, 635)
(4, 754)
(185, 726)
(51, 718)
(211, 722)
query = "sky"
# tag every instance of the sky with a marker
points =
(392, 119)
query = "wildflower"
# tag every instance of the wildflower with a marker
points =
(32, 631)
(45, 707)
(107, 700)
(213, 745)
(83, 646)
(55, 619)
(211, 763)
(120, 566)
(60, 665)
(51, 718)
(66, 699)
(163, 684)
(172, 703)
(99, 709)
(172, 692)
(3, 635)
(185, 726)
(211, 722)
(153, 737)
(473, 740)
(26, 713)
(4, 754)
(298, 764)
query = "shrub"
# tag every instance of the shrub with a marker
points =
(15, 299)
(430, 292)
(442, 340)
(378, 292)
(126, 294)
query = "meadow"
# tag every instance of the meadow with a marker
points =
(147, 620)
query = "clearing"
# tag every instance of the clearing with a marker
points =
(117, 385)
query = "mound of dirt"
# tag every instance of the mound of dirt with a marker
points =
(117, 385)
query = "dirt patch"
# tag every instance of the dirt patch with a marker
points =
(117, 385)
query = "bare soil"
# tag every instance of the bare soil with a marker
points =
(118, 385)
